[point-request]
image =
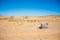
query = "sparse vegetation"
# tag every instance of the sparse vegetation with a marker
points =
(13, 20)
(12, 17)
(26, 17)
(0, 18)
(3, 18)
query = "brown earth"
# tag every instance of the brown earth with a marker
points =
(27, 28)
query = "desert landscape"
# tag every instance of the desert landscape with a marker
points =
(27, 28)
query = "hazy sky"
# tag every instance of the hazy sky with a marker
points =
(29, 7)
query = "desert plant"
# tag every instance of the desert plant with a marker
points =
(0, 19)
(12, 17)
(26, 17)
(4, 18)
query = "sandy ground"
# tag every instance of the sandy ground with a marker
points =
(29, 31)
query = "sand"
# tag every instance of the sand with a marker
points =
(15, 29)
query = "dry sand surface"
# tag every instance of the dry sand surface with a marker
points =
(27, 28)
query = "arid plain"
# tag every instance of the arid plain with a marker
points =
(27, 28)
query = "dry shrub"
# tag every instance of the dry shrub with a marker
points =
(13, 20)
(0, 18)
(3, 18)
(12, 17)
